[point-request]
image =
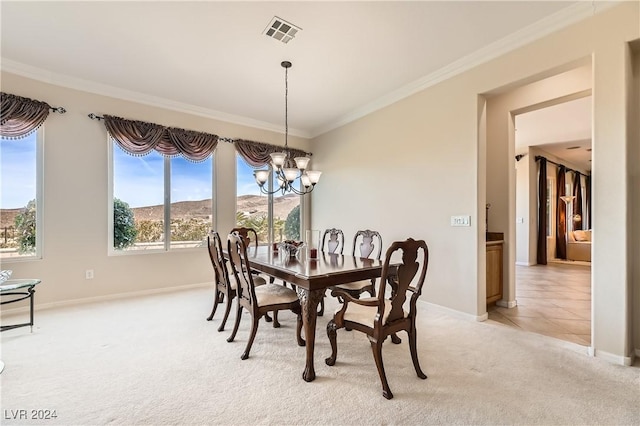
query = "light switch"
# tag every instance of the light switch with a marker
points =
(460, 220)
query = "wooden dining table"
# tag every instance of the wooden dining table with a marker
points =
(312, 276)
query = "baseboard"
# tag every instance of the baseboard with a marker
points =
(615, 359)
(107, 297)
(525, 264)
(507, 304)
(456, 313)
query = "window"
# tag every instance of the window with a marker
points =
(160, 203)
(21, 196)
(252, 208)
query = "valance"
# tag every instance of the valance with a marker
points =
(139, 138)
(19, 117)
(256, 154)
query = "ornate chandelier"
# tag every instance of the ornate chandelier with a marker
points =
(282, 164)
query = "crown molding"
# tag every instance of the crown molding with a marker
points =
(50, 77)
(559, 20)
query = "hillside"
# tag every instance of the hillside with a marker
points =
(253, 205)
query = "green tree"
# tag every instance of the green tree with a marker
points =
(292, 224)
(25, 223)
(124, 228)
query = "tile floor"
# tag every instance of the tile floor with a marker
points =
(554, 300)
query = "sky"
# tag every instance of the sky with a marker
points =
(17, 171)
(139, 181)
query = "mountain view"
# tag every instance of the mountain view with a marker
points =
(252, 205)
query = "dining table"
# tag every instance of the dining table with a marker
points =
(312, 276)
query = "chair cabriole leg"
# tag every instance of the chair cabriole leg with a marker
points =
(254, 328)
(376, 348)
(216, 301)
(237, 323)
(414, 353)
(226, 315)
(331, 333)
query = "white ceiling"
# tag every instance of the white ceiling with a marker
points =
(563, 130)
(211, 58)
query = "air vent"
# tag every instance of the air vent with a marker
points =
(281, 30)
(574, 147)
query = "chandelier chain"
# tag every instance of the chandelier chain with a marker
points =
(286, 107)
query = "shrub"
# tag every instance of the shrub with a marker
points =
(292, 224)
(124, 228)
(26, 228)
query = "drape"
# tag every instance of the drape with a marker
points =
(542, 212)
(139, 138)
(561, 215)
(256, 154)
(19, 117)
(577, 206)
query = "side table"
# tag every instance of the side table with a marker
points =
(17, 290)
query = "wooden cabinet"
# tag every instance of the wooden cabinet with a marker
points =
(494, 266)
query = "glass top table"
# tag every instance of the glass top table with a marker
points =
(16, 290)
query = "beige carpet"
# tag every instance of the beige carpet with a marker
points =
(155, 360)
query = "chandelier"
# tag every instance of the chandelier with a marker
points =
(281, 163)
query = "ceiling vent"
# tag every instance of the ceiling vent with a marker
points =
(281, 30)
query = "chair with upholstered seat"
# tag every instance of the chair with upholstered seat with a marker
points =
(365, 242)
(223, 287)
(257, 300)
(384, 315)
(250, 238)
(332, 243)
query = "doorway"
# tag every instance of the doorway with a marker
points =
(552, 299)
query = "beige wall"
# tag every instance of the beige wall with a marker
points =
(75, 198)
(403, 170)
(406, 169)
(634, 186)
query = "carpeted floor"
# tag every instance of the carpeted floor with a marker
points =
(155, 360)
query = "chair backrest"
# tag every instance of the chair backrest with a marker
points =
(217, 259)
(240, 266)
(249, 235)
(402, 278)
(333, 241)
(368, 242)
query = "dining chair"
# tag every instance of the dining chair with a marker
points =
(250, 238)
(257, 300)
(384, 315)
(365, 242)
(332, 243)
(222, 287)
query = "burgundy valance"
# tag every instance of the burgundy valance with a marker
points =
(256, 154)
(139, 138)
(19, 117)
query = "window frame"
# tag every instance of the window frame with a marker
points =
(166, 244)
(39, 252)
(270, 198)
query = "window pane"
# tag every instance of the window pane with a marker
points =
(191, 207)
(18, 193)
(286, 220)
(251, 206)
(139, 182)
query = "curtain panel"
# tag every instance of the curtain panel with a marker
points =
(139, 138)
(256, 154)
(542, 212)
(19, 117)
